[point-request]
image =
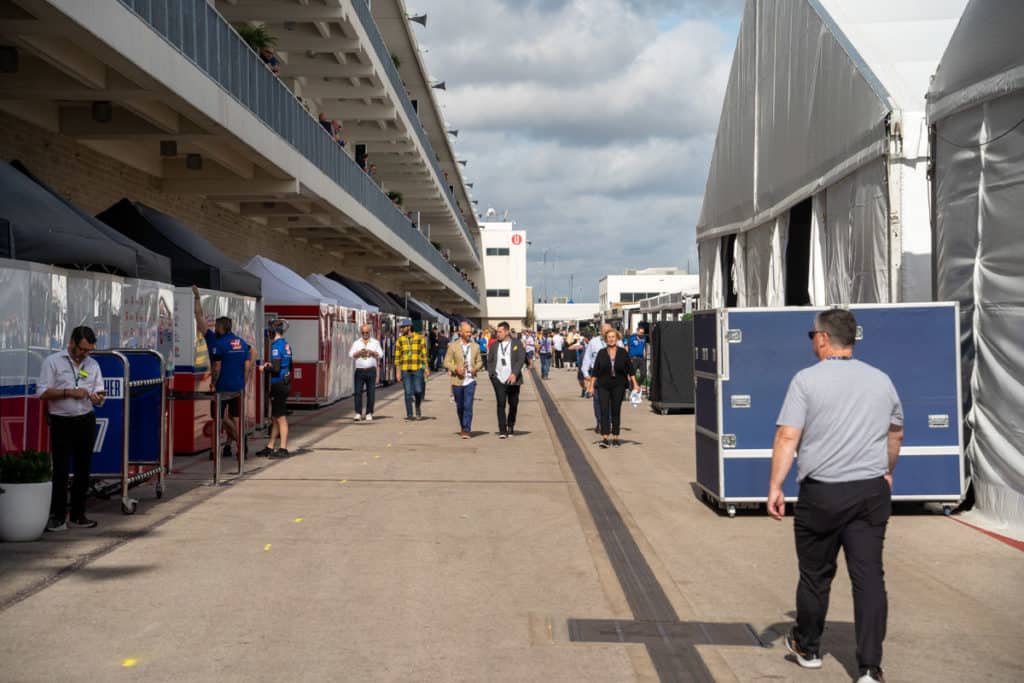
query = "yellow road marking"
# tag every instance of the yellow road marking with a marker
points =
(128, 663)
(298, 519)
(266, 547)
(343, 481)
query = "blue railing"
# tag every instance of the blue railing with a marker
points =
(199, 32)
(362, 8)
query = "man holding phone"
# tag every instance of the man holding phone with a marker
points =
(72, 384)
(505, 366)
(367, 353)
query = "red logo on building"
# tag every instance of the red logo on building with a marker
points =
(517, 240)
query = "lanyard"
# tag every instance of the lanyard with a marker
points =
(76, 373)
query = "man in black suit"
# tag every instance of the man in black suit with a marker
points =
(505, 362)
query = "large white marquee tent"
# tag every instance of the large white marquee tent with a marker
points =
(976, 109)
(818, 191)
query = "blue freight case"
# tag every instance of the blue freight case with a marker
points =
(746, 357)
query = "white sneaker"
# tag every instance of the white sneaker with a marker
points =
(369, 417)
(808, 660)
(358, 417)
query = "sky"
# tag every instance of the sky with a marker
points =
(591, 121)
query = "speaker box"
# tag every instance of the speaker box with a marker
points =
(672, 365)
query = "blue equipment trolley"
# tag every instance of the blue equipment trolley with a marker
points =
(744, 359)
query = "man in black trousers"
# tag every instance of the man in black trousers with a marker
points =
(847, 421)
(505, 362)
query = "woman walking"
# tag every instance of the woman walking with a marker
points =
(611, 374)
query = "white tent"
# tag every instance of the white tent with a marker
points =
(335, 290)
(817, 191)
(283, 286)
(976, 108)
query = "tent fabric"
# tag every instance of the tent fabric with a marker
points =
(979, 201)
(335, 290)
(432, 312)
(149, 265)
(283, 286)
(982, 61)
(369, 294)
(37, 226)
(816, 91)
(415, 309)
(193, 259)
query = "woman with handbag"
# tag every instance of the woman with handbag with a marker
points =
(611, 375)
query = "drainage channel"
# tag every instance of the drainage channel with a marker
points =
(671, 643)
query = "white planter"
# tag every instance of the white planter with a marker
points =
(24, 510)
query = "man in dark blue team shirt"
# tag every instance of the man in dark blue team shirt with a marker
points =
(280, 369)
(637, 344)
(231, 361)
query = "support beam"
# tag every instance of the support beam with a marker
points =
(234, 188)
(340, 90)
(351, 111)
(69, 58)
(293, 41)
(292, 207)
(281, 13)
(300, 65)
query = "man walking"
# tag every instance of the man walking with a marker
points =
(367, 352)
(441, 351)
(544, 350)
(72, 384)
(463, 362)
(637, 345)
(846, 418)
(411, 367)
(505, 367)
(558, 344)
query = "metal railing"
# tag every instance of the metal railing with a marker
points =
(362, 8)
(201, 34)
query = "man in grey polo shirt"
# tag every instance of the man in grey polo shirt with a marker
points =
(845, 418)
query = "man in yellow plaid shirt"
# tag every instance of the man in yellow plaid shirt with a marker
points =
(412, 367)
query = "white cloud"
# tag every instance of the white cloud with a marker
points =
(592, 121)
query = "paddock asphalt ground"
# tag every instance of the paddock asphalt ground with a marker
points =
(394, 551)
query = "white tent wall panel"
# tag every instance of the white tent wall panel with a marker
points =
(979, 223)
(855, 237)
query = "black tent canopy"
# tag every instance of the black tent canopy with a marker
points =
(416, 311)
(149, 264)
(37, 226)
(369, 294)
(193, 259)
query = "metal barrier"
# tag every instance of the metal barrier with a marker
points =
(127, 438)
(218, 398)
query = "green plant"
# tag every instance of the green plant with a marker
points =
(396, 60)
(257, 37)
(437, 245)
(396, 197)
(28, 467)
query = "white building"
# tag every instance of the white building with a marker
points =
(636, 285)
(504, 268)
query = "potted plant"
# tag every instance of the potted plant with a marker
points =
(256, 36)
(25, 490)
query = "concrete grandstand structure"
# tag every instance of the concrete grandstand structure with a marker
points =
(165, 103)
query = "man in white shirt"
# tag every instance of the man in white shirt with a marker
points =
(589, 354)
(72, 384)
(367, 352)
(558, 343)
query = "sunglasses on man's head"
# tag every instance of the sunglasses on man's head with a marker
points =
(810, 335)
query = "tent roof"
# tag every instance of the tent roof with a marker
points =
(433, 312)
(369, 294)
(983, 60)
(283, 286)
(37, 226)
(811, 87)
(149, 264)
(336, 290)
(415, 308)
(193, 259)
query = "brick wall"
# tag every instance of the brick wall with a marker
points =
(95, 181)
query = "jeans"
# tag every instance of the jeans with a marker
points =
(610, 398)
(597, 406)
(506, 394)
(464, 405)
(412, 382)
(72, 438)
(545, 365)
(558, 358)
(852, 515)
(365, 377)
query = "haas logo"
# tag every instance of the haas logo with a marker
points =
(236, 344)
(517, 240)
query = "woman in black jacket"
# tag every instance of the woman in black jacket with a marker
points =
(611, 374)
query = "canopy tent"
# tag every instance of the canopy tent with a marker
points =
(416, 310)
(283, 286)
(193, 259)
(335, 290)
(148, 264)
(817, 191)
(432, 313)
(976, 108)
(37, 226)
(369, 294)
